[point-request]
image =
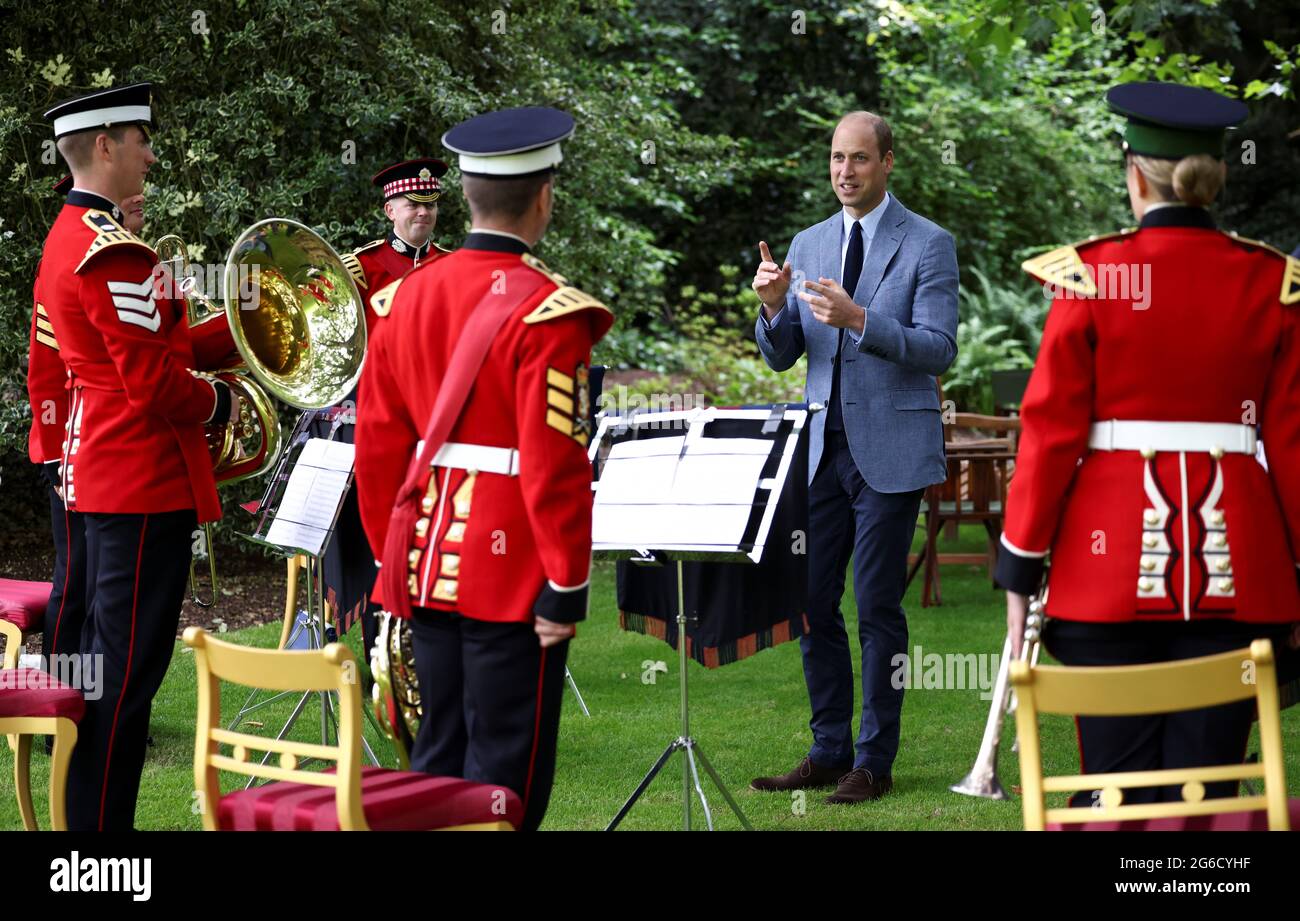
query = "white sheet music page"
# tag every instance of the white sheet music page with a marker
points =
(312, 496)
(652, 493)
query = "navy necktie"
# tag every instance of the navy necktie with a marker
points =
(852, 272)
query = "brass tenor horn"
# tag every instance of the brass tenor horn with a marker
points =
(983, 780)
(396, 691)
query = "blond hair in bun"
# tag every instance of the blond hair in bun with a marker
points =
(1194, 180)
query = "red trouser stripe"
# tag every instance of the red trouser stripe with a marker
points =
(130, 651)
(537, 727)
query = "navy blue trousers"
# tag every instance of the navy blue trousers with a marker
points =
(1189, 738)
(847, 518)
(491, 700)
(137, 568)
(65, 614)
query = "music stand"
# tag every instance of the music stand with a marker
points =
(296, 516)
(699, 484)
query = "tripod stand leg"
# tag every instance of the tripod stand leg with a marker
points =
(695, 775)
(573, 686)
(645, 782)
(717, 782)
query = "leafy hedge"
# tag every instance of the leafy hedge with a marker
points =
(702, 129)
(287, 107)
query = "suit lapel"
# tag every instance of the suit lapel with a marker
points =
(829, 246)
(829, 243)
(889, 236)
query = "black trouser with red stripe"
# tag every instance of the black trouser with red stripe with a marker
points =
(491, 699)
(66, 613)
(1191, 738)
(137, 567)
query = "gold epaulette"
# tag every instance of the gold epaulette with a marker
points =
(1290, 293)
(441, 249)
(1064, 268)
(382, 300)
(562, 302)
(44, 329)
(108, 232)
(368, 246)
(538, 265)
(355, 269)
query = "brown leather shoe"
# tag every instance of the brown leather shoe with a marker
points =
(806, 776)
(858, 785)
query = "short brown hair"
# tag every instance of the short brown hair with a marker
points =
(884, 134)
(78, 148)
(506, 199)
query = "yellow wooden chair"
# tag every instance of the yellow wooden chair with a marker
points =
(1164, 687)
(32, 703)
(350, 798)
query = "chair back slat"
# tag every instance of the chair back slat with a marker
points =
(1163, 777)
(278, 746)
(1143, 811)
(271, 669)
(270, 771)
(1129, 690)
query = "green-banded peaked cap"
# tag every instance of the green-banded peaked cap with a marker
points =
(1172, 121)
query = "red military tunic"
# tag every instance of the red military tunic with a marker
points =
(491, 544)
(379, 263)
(136, 441)
(47, 380)
(1162, 534)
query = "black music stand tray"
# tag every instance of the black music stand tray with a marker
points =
(699, 484)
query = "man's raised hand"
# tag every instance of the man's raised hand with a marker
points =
(771, 282)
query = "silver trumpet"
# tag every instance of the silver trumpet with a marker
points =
(982, 780)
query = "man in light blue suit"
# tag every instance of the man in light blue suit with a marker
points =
(870, 294)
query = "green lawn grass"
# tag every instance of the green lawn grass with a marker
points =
(749, 718)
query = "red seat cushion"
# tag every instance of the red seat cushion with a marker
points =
(23, 603)
(32, 692)
(1249, 820)
(392, 800)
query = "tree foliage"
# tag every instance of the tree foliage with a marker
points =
(703, 128)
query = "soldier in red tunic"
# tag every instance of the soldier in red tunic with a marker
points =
(494, 563)
(411, 191)
(134, 458)
(47, 393)
(1169, 351)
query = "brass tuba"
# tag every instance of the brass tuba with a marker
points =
(248, 446)
(298, 321)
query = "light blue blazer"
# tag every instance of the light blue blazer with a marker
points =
(888, 392)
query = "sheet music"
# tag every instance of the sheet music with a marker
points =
(312, 496)
(653, 493)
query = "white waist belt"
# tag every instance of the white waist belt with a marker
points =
(1139, 435)
(482, 458)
